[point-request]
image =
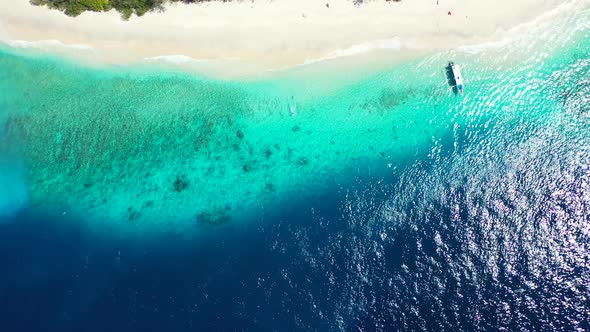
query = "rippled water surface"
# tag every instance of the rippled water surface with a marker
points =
(136, 200)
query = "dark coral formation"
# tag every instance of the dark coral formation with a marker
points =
(133, 214)
(214, 217)
(267, 153)
(180, 184)
(302, 161)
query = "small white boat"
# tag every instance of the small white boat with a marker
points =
(457, 77)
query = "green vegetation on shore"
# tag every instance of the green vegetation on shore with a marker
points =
(125, 7)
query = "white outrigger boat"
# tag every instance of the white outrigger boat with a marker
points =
(457, 77)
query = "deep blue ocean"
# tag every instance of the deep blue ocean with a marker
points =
(325, 264)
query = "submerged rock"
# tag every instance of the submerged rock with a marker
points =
(180, 184)
(240, 134)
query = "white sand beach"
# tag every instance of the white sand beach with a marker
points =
(257, 36)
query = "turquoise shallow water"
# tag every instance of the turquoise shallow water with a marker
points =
(133, 148)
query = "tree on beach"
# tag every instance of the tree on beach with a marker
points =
(74, 7)
(125, 7)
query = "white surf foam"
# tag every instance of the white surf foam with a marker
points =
(48, 45)
(380, 44)
(174, 59)
(184, 60)
(522, 34)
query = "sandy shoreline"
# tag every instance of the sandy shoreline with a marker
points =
(247, 38)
